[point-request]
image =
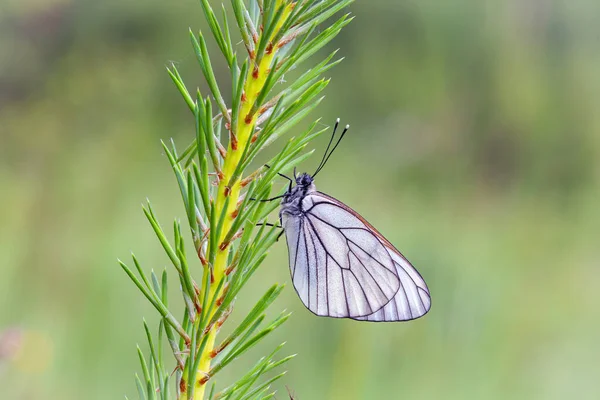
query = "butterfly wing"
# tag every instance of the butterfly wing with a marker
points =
(339, 267)
(412, 300)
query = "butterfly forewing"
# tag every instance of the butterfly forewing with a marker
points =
(342, 266)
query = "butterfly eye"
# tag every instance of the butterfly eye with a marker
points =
(305, 180)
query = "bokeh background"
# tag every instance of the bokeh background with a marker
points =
(474, 147)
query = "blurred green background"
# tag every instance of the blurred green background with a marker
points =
(474, 148)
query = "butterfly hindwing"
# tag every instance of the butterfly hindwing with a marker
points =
(412, 300)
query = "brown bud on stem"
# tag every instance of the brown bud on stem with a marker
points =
(204, 379)
(233, 141)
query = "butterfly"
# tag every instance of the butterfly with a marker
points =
(340, 265)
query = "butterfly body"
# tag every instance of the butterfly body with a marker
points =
(340, 265)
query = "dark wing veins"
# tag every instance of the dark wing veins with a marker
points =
(354, 243)
(401, 286)
(350, 270)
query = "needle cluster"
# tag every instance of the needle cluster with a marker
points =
(229, 239)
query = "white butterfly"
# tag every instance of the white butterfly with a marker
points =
(341, 266)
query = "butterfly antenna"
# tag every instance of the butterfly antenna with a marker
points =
(326, 158)
(322, 163)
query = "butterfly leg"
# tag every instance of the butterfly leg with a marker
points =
(285, 176)
(267, 200)
(269, 224)
(276, 197)
(276, 226)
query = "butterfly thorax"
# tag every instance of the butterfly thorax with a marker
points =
(292, 199)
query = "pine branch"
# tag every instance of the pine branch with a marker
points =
(227, 245)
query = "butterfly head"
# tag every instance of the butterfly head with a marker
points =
(293, 197)
(304, 185)
(304, 180)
